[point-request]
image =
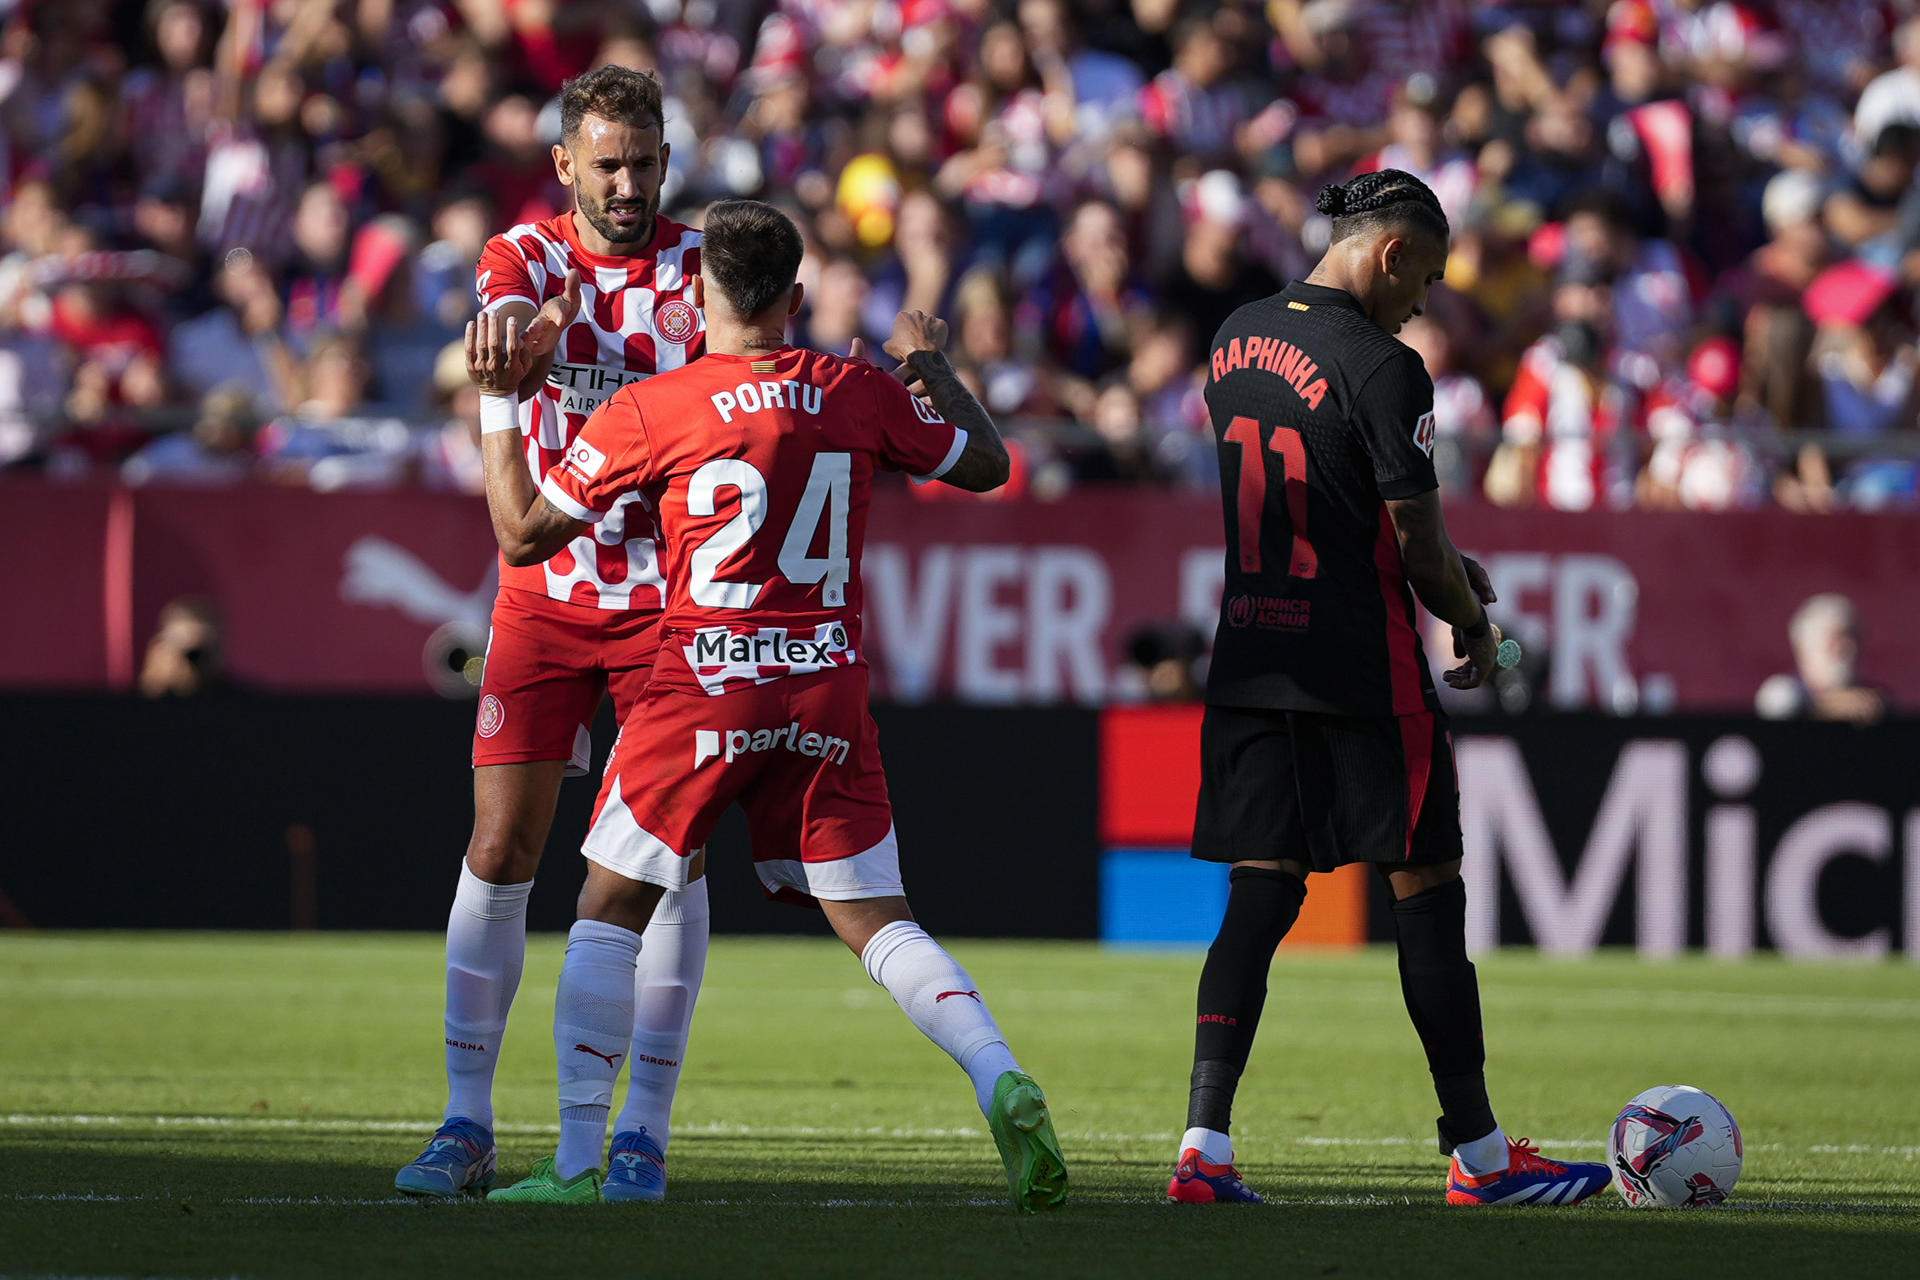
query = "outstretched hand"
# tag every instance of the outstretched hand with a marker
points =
(543, 334)
(497, 357)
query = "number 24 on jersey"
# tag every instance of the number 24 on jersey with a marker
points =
(825, 497)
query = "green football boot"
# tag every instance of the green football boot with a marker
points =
(543, 1186)
(1023, 1130)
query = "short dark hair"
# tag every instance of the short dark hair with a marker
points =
(1380, 200)
(750, 252)
(615, 93)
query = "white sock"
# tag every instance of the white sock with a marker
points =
(935, 992)
(1483, 1156)
(592, 1022)
(666, 985)
(486, 948)
(1214, 1147)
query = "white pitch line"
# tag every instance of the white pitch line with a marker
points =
(62, 1275)
(1312, 1140)
(972, 1202)
(710, 1129)
(316, 1124)
(94, 1197)
(321, 1124)
(1339, 1202)
(713, 1129)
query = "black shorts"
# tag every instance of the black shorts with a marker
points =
(1326, 790)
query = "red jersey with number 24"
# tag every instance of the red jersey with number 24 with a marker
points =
(759, 470)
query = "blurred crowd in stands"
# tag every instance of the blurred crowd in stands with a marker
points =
(239, 235)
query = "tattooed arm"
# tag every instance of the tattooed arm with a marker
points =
(916, 342)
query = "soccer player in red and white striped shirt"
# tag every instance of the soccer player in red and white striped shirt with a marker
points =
(601, 294)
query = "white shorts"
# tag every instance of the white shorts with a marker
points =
(621, 845)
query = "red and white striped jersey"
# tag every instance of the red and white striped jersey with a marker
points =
(636, 319)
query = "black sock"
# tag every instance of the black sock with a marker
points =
(1443, 997)
(1261, 906)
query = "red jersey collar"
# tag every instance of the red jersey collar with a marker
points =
(571, 234)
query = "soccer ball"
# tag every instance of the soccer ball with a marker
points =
(1675, 1146)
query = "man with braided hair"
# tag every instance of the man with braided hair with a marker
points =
(1323, 743)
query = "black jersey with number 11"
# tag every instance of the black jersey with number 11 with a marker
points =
(1321, 415)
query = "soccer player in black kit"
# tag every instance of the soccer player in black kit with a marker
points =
(1323, 742)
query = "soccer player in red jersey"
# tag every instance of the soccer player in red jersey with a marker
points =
(759, 461)
(602, 295)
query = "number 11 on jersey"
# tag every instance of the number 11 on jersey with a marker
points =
(1251, 499)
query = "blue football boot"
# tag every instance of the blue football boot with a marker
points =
(636, 1168)
(458, 1161)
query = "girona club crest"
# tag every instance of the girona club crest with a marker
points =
(674, 320)
(492, 716)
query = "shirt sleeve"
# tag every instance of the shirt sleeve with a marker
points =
(607, 460)
(913, 437)
(1525, 416)
(508, 271)
(1394, 412)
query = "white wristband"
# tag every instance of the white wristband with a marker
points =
(499, 413)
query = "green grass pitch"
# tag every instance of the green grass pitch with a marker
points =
(237, 1105)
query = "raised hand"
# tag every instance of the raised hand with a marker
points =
(916, 331)
(497, 356)
(543, 334)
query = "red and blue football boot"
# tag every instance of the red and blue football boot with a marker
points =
(1529, 1178)
(1196, 1181)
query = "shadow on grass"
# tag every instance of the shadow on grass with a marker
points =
(321, 1206)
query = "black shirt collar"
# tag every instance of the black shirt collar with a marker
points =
(1301, 291)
